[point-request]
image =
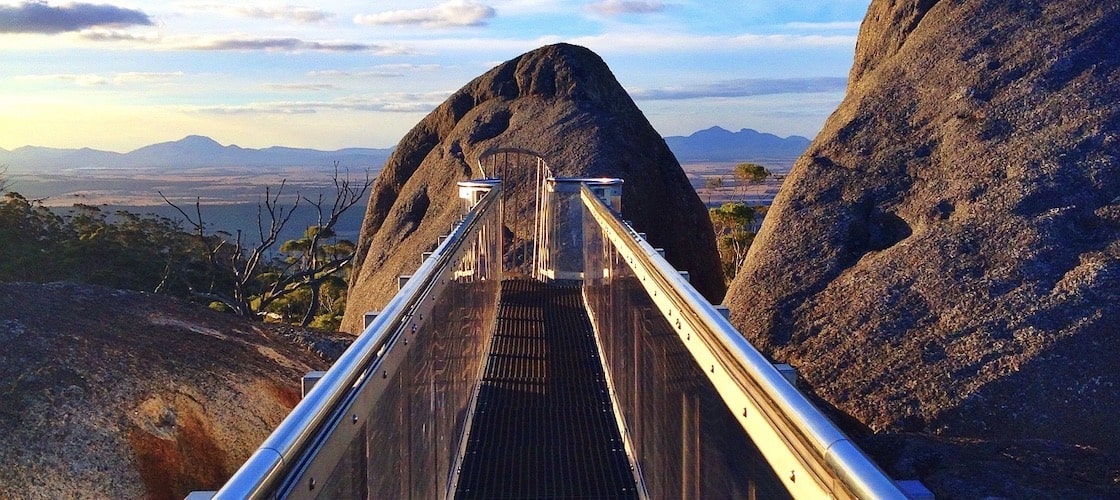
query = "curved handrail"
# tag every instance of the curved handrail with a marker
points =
(266, 470)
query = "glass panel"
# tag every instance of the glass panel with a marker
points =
(685, 440)
(409, 444)
(565, 230)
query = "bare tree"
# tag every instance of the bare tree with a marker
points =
(4, 182)
(320, 261)
(247, 266)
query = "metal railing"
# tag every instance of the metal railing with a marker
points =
(695, 400)
(702, 413)
(418, 361)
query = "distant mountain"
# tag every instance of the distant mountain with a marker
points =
(718, 144)
(196, 151)
(193, 151)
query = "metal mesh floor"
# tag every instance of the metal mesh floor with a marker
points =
(543, 426)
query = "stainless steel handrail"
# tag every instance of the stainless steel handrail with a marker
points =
(266, 469)
(800, 421)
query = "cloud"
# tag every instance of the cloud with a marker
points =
(145, 77)
(84, 80)
(288, 45)
(92, 79)
(301, 86)
(384, 103)
(294, 13)
(116, 36)
(448, 14)
(36, 17)
(379, 71)
(833, 25)
(617, 7)
(744, 87)
(639, 42)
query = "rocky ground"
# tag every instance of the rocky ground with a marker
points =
(115, 394)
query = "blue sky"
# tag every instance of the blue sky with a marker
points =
(333, 74)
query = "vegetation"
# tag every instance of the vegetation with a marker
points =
(750, 173)
(713, 183)
(259, 285)
(88, 245)
(299, 280)
(733, 224)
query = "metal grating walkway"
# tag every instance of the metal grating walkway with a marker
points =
(544, 426)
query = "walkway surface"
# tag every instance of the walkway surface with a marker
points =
(544, 426)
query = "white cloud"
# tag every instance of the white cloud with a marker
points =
(287, 13)
(84, 80)
(389, 102)
(301, 86)
(641, 42)
(379, 71)
(617, 7)
(448, 14)
(146, 77)
(117, 36)
(829, 26)
(295, 13)
(744, 87)
(247, 43)
(93, 79)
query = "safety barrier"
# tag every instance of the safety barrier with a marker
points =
(389, 418)
(703, 413)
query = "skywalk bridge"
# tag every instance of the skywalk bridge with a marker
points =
(598, 373)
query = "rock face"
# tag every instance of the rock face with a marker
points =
(945, 257)
(112, 394)
(561, 102)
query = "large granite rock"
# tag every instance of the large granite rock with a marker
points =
(945, 257)
(561, 102)
(114, 394)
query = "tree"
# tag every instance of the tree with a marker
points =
(750, 173)
(122, 250)
(252, 280)
(4, 179)
(732, 223)
(713, 183)
(309, 252)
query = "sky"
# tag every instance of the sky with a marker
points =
(332, 74)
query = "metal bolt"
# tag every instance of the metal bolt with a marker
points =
(354, 418)
(385, 374)
(793, 476)
(311, 484)
(744, 413)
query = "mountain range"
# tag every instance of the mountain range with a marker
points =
(193, 151)
(718, 144)
(196, 151)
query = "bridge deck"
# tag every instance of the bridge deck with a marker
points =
(544, 426)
